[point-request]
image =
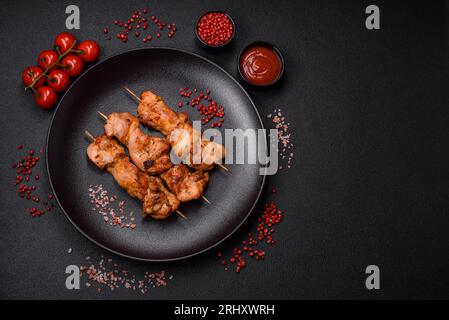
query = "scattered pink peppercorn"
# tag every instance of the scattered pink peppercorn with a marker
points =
(210, 111)
(252, 245)
(137, 20)
(23, 169)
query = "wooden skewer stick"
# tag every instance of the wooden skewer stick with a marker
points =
(133, 94)
(92, 138)
(181, 215)
(222, 166)
(103, 115)
(106, 118)
(138, 99)
(205, 199)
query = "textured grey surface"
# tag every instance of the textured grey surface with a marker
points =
(369, 184)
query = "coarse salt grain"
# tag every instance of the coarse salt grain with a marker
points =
(110, 208)
(284, 137)
(107, 274)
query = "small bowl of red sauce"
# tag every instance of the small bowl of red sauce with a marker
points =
(261, 64)
(215, 29)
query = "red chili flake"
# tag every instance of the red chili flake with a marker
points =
(215, 29)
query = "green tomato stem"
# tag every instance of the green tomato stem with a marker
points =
(52, 65)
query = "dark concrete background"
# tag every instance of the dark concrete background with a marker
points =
(369, 182)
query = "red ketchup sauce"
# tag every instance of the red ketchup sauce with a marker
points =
(261, 65)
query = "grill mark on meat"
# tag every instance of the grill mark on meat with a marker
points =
(147, 164)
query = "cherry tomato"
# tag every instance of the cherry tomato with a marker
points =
(45, 97)
(30, 74)
(64, 41)
(90, 51)
(73, 65)
(58, 80)
(47, 58)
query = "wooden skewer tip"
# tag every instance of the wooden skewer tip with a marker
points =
(205, 199)
(222, 166)
(180, 213)
(102, 115)
(132, 93)
(89, 135)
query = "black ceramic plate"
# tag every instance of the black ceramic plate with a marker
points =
(233, 194)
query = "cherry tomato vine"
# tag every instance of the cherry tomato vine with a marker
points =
(57, 66)
(56, 63)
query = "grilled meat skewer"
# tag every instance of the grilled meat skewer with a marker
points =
(149, 154)
(180, 134)
(107, 153)
(185, 185)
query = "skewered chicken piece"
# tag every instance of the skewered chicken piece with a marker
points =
(149, 154)
(107, 153)
(186, 185)
(154, 112)
(159, 202)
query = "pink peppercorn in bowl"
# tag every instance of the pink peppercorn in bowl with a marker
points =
(215, 29)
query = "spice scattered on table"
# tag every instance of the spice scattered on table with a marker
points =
(27, 182)
(110, 207)
(139, 24)
(210, 111)
(284, 135)
(256, 245)
(108, 274)
(215, 29)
